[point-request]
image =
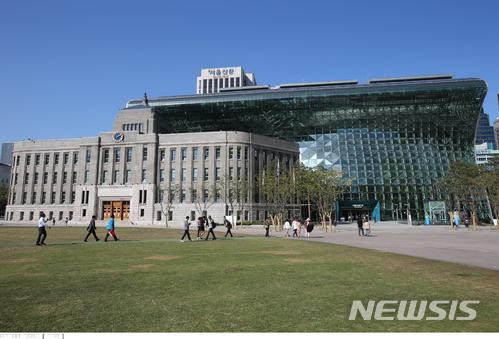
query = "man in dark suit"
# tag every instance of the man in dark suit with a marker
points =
(91, 229)
(359, 224)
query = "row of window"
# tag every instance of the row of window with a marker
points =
(31, 216)
(55, 176)
(133, 127)
(46, 158)
(194, 174)
(62, 198)
(212, 85)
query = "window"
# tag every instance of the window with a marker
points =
(84, 212)
(231, 152)
(105, 156)
(144, 175)
(45, 177)
(44, 197)
(158, 216)
(63, 198)
(47, 159)
(85, 179)
(64, 177)
(183, 175)
(33, 198)
(205, 176)
(116, 178)
(65, 158)
(88, 156)
(28, 160)
(73, 180)
(172, 174)
(35, 179)
(26, 178)
(237, 82)
(231, 82)
(56, 159)
(21, 215)
(161, 175)
(52, 198)
(60, 215)
(15, 179)
(231, 173)
(73, 197)
(14, 198)
(173, 154)
(128, 155)
(194, 195)
(239, 153)
(54, 178)
(170, 215)
(144, 154)
(117, 155)
(75, 157)
(217, 153)
(127, 176)
(162, 154)
(183, 154)
(104, 177)
(37, 159)
(194, 174)
(206, 153)
(217, 173)
(182, 196)
(195, 153)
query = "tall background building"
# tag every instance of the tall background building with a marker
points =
(485, 132)
(213, 80)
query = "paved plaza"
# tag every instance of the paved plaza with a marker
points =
(462, 246)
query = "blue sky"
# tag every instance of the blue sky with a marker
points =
(66, 67)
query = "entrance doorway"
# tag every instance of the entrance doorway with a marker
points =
(120, 209)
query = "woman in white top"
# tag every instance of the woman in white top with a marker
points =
(42, 232)
(296, 227)
(287, 227)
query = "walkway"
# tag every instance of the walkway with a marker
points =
(462, 246)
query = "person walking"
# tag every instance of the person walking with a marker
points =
(360, 225)
(287, 227)
(42, 232)
(267, 227)
(211, 226)
(296, 226)
(186, 229)
(200, 224)
(366, 226)
(228, 226)
(110, 229)
(309, 227)
(91, 229)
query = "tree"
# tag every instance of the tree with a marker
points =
(305, 185)
(277, 187)
(490, 181)
(330, 185)
(202, 201)
(464, 183)
(167, 200)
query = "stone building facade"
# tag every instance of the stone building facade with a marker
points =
(142, 178)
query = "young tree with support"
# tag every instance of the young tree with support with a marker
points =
(167, 200)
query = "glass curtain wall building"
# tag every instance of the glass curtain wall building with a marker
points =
(394, 138)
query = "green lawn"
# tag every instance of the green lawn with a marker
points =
(151, 282)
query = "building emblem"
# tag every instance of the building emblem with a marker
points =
(118, 137)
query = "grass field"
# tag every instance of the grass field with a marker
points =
(151, 282)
